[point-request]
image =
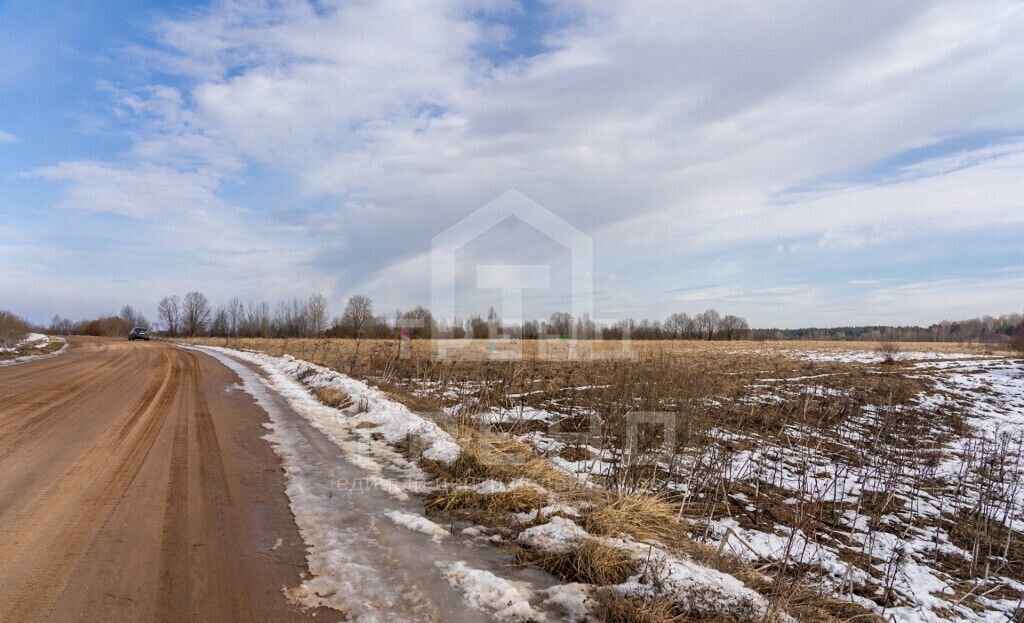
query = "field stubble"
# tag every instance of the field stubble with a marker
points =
(836, 482)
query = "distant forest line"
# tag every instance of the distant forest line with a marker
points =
(193, 315)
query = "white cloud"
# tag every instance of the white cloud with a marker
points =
(7, 137)
(983, 194)
(666, 137)
(923, 302)
(713, 294)
(143, 192)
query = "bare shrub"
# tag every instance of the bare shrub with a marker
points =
(889, 349)
(12, 329)
(110, 326)
(1018, 340)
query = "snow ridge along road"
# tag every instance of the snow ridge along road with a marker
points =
(135, 486)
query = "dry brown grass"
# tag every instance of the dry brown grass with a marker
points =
(495, 506)
(643, 517)
(611, 607)
(333, 397)
(707, 386)
(340, 352)
(490, 457)
(660, 375)
(590, 562)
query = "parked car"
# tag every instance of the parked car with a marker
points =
(138, 333)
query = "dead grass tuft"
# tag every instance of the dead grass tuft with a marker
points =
(333, 397)
(473, 463)
(487, 458)
(615, 608)
(889, 350)
(591, 562)
(642, 516)
(495, 506)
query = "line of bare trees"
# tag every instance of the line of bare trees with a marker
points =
(192, 315)
(707, 325)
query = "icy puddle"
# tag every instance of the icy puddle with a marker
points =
(372, 554)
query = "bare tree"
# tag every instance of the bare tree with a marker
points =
(169, 311)
(316, 314)
(128, 315)
(477, 328)
(221, 325)
(418, 322)
(357, 317)
(560, 324)
(707, 323)
(733, 327)
(236, 316)
(195, 313)
(263, 326)
(61, 326)
(493, 323)
(679, 326)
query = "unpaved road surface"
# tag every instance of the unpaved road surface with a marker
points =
(134, 486)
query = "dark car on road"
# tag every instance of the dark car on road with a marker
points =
(138, 333)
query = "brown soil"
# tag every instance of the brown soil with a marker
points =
(135, 486)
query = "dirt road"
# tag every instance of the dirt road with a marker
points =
(134, 486)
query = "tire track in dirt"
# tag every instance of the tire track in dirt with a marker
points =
(134, 485)
(36, 411)
(31, 435)
(174, 586)
(100, 476)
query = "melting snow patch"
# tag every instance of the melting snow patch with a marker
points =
(418, 523)
(695, 588)
(558, 535)
(686, 583)
(35, 344)
(572, 601)
(487, 592)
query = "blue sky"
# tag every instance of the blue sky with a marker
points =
(809, 164)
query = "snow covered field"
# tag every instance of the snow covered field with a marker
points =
(376, 556)
(901, 508)
(894, 487)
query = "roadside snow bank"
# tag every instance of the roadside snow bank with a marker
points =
(391, 420)
(370, 555)
(34, 341)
